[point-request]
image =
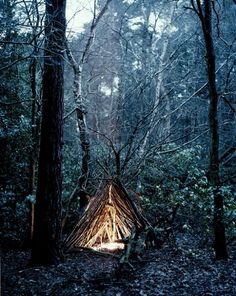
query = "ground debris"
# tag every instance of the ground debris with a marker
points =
(190, 270)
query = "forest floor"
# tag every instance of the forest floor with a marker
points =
(189, 270)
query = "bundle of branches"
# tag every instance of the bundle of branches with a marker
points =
(110, 217)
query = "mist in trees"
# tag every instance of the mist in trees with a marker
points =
(149, 87)
(149, 97)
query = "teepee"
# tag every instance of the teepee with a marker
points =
(110, 216)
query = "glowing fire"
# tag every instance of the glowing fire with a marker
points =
(109, 246)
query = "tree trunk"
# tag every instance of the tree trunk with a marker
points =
(35, 120)
(83, 132)
(81, 120)
(35, 127)
(78, 98)
(46, 237)
(214, 178)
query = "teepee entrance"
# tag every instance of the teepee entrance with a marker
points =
(109, 219)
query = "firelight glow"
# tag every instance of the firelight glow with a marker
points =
(109, 246)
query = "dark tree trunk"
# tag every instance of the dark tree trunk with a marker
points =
(205, 16)
(35, 120)
(32, 162)
(32, 70)
(46, 237)
(35, 126)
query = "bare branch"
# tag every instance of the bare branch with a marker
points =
(228, 103)
(14, 103)
(229, 152)
(92, 30)
(107, 138)
(194, 8)
(217, 19)
(68, 114)
(15, 62)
